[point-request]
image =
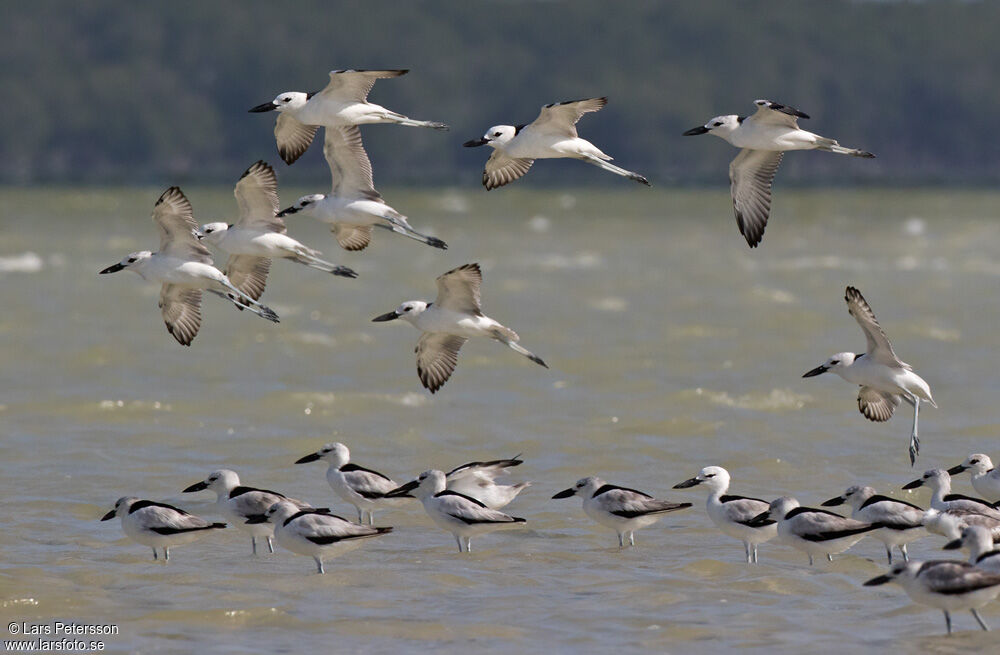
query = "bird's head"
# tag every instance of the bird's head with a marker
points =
(133, 262)
(213, 232)
(408, 311)
(304, 204)
(497, 135)
(836, 364)
(720, 126)
(289, 100)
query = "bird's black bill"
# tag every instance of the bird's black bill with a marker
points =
(953, 545)
(690, 482)
(913, 485)
(694, 131)
(882, 579)
(253, 519)
(267, 106)
(565, 493)
(388, 316)
(404, 491)
(308, 458)
(819, 370)
(833, 502)
(113, 269)
(110, 515)
(475, 143)
(286, 212)
(760, 519)
(955, 470)
(197, 486)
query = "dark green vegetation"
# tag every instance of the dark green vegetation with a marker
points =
(110, 92)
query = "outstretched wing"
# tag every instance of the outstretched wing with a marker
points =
(181, 309)
(352, 237)
(293, 137)
(248, 274)
(257, 198)
(562, 117)
(458, 289)
(751, 175)
(876, 405)
(437, 357)
(350, 168)
(354, 85)
(174, 217)
(773, 113)
(879, 347)
(501, 169)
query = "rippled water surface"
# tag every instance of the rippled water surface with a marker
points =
(672, 346)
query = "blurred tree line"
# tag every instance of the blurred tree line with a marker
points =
(104, 92)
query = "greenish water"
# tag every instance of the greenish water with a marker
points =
(672, 346)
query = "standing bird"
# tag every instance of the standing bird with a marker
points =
(344, 101)
(361, 487)
(461, 515)
(238, 503)
(945, 584)
(551, 136)
(981, 546)
(903, 522)
(763, 139)
(985, 477)
(353, 206)
(882, 376)
(942, 499)
(733, 514)
(622, 509)
(184, 267)
(314, 532)
(447, 323)
(158, 525)
(258, 236)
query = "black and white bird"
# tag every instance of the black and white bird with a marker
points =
(237, 503)
(939, 482)
(884, 379)
(159, 525)
(447, 323)
(733, 514)
(763, 140)
(353, 207)
(985, 477)
(550, 136)
(948, 585)
(315, 533)
(478, 480)
(463, 516)
(259, 235)
(357, 485)
(902, 522)
(183, 266)
(982, 548)
(814, 531)
(622, 509)
(344, 101)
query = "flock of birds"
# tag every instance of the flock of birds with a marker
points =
(467, 501)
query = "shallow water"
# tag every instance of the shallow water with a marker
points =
(672, 346)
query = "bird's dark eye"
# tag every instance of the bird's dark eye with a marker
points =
(835, 362)
(406, 309)
(710, 475)
(496, 134)
(131, 259)
(716, 123)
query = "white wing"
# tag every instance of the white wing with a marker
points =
(876, 405)
(751, 175)
(458, 289)
(469, 510)
(326, 529)
(437, 357)
(629, 503)
(501, 169)
(773, 113)
(248, 273)
(350, 168)
(174, 217)
(257, 198)
(354, 85)
(181, 309)
(293, 137)
(879, 347)
(562, 117)
(166, 519)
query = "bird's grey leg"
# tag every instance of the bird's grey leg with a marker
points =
(322, 265)
(256, 308)
(166, 553)
(947, 620)
(888, 553)
(270, 546)
(982, 625)
(621, 540)
(914, 441)
(755, 553)
(319, 565)
(468, 544)
(746, 548)
(631, 538)
(461, 546)
(518, 348)
(829, 557)
(361, 516)
(810, 559)
(155, 556)
(906, 556)
(617, 170)
(253, 544)
(399, 119)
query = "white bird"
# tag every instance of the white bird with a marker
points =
(814, 531)
(622, 509)
(903, 522)
(941, 498)
(452, 319)
(982, 548)
(344, 101)
(361, 487)
(949, 523)
(353, 207)
(463, 516)
(158, 525)
(315, 532)
(884, 379)
(985, 477)
(478, 480)
(550, 136)
(238, 503)
(184, 268)
(733, 514)
(258, 235)
(763, 139)
(945, 584)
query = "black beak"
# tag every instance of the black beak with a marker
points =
(286, 212)
(819, 370)
(197, 486)
(404, 491)
(308, 458)
(388, 316)
(566, 493)
(110, 515)
(256, 518)
(114, 268)
(690, 482)
(882, 579)
(953, 545)
(955, 470)
(475, 143)
(267, 106)
(833, 502)
(694, 131)
(764, 518)
(914, 484)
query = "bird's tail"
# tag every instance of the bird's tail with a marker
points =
(830, 145)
